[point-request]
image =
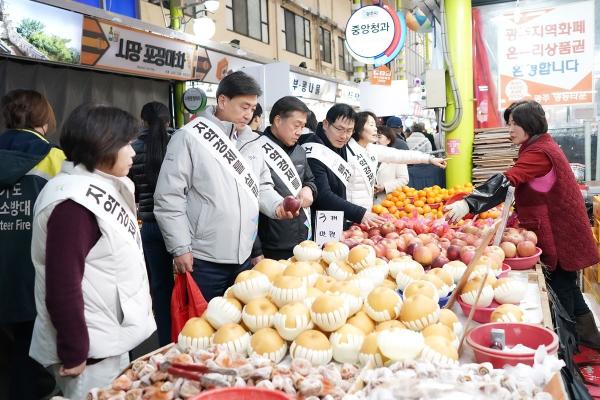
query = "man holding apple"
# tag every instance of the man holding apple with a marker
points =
(210, 191)
(291, 175)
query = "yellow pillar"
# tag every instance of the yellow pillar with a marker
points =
(458, 18)
(176, 16)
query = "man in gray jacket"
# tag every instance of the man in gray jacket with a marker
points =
(207, 214)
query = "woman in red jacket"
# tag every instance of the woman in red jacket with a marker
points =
(549, 203)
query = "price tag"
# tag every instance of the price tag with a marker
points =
(330, 225)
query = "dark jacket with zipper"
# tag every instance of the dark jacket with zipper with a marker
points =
(276, 234)
(332, 192)
(144, 186)
(27, 162)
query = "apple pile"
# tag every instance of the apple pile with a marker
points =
(431, 242)
(518, 242)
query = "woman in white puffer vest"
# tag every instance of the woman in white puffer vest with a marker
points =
(91, 287)
(364, 156)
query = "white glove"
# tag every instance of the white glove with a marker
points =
(456, 211)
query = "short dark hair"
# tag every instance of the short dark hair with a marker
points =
(418, 127)
(388, 133)
(361, 120)
(238, 83)
(340, 110)
(26, 109)
(529, 115)
(93, 134)
(258, 111)
(287, 105)
(311, 121)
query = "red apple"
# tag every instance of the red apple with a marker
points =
(387, 227)
(379, 250)
(392, 235)
(407, 231)
(291, 204)
(514, 238)
(425, 238)
(376, 238)
(388, 243)
(350, 242)
(458, 242)
(509, 249)
(444, 243)
(355, 228)
(401, 244)
(374, 232)
(526, 249)
(470, 238)
(368, 242)
(460, 235)
(473, 230)
(439, 262)
(531, 236)
(399, 224)
(453, 252)
(435, 249)
(410, 249)
(467, 253)
(422, 255)
(390, 253)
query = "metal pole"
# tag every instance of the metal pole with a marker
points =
(176, 16)
(588, 150)
(461, 53)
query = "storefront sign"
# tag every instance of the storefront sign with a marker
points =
(330, 225)
(212, 66)
(194, 100)
(380, 76)
(116, 47)
(375, 34)
(348, 94)
(547, 54)
(312, 88)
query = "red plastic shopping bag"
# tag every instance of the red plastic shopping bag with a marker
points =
(186, 302)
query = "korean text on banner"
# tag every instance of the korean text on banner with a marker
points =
(122, 49)
(547, 54)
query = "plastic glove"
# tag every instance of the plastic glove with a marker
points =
(456, 211)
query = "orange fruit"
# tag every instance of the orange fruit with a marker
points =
(419, 203)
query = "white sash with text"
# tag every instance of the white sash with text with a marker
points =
(368, 163)
(282, 165)
(99, 197)
(330, 159)
(224, 151)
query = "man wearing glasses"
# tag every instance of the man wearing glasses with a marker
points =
(326, 151)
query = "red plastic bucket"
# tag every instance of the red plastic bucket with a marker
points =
(244, 393)
(532, 336)
(520, 263)
(481, 314)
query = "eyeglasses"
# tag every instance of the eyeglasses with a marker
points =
(342, 130)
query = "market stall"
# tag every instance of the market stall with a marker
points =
(353, 320)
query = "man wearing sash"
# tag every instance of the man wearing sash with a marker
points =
(291, 174)
(209, 193)
(91, 289)
(326, 151)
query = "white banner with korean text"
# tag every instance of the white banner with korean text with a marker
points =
(312, 88)
(547, 55)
